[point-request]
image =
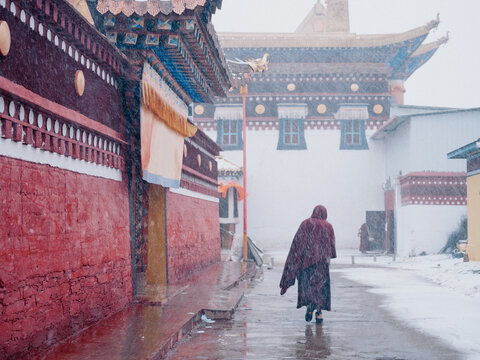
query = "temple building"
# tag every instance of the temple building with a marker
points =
(106, 185)
(320, 123)
(471, 152)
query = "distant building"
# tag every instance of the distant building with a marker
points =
(310, 119)
(471, 153)
(424, 191)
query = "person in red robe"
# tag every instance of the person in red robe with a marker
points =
(308, 261)
(364, 235)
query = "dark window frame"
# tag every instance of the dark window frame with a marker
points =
(238, 134)
(286, 135)
(348, 133)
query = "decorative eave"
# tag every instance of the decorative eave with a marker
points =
(466, 151)
(320, 40)
(418, 58)
(184, 44)
(153, 7)
(286, 69)
(63, 19)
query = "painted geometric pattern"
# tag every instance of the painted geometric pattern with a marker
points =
(431, 188)
(153, 7)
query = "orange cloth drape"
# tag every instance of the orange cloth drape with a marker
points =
(223, 188)
(165, 112)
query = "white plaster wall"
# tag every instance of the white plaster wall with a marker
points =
(422, 143)
(285, 185)
(425, 227)
(398, 151)
(433, 136)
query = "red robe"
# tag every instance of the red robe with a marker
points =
(364, 238)
(308, 260)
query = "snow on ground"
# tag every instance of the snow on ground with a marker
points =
(452, 273)
(435, 294)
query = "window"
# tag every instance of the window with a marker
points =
(353, 135)
(229, 134)
(228, 206)
(291, 135)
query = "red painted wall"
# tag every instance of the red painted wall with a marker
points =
(389, 197)
(50, 72)
(193, 235)
(64, 253)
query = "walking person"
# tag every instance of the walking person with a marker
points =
(364, 235)
(308, 261)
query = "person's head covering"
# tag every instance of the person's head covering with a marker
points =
(320, 212)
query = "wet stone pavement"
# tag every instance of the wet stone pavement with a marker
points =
(268, 326)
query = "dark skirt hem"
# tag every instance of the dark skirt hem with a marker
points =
(314, 287)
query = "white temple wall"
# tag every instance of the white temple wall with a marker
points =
(285, 185)
(433, 136)
(425, 228)
(422, 143)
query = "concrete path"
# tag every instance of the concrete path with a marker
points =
(268, 326)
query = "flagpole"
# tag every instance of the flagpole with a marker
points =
(244, 92)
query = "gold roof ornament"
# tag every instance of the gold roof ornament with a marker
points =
(247, 67)
(334, 17)
(259, 65)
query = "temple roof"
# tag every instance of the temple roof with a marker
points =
(401, 53)
(175, 36)
(153, 7)
(320, 40)
(418, 58)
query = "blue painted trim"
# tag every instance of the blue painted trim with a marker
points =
(473, 173)
(464, 152)
(363, 139)
(239, 145)
(302, 145)
(160, 180)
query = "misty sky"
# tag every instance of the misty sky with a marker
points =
(450, 78)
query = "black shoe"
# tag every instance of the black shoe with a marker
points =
(318, 317)
(309, 314)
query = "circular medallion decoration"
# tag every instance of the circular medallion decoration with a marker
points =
(354, 87)
(5, 38)
(322, 108)
(79, 82)
(199, 110)
(199, 160)
(184, 150)
(378, 109)
(291, 87)
(210, 166)
(260, 109)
